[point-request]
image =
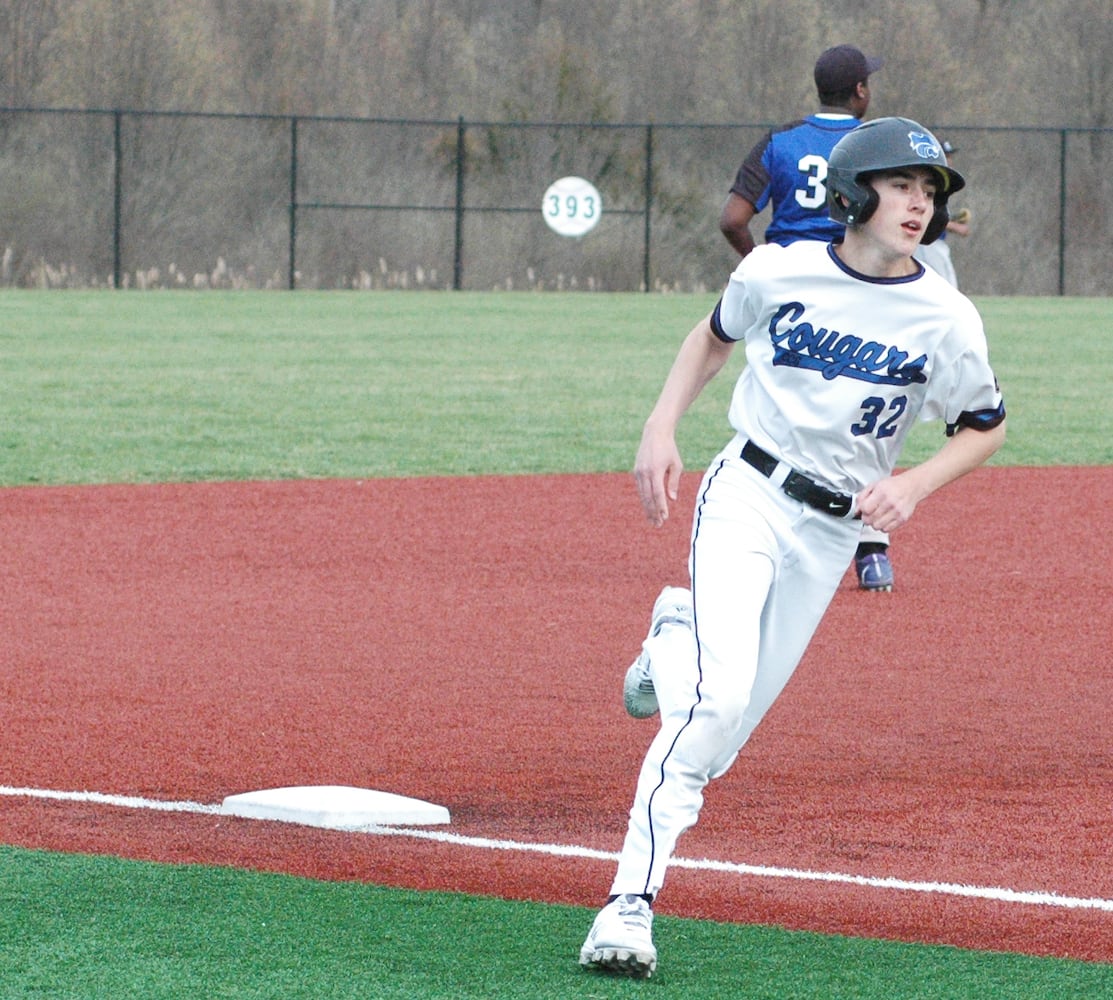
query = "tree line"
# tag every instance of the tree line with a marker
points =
(211, 197)
(953, 62)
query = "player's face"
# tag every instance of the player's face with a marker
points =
(906, 203)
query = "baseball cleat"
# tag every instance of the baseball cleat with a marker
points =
(638, 694)
(875, 572)
(672, 607)
(621, 939)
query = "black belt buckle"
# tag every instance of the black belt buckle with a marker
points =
(801, 488)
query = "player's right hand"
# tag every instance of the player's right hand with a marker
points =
(657, 470)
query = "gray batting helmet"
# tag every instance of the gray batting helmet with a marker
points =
(880, 145)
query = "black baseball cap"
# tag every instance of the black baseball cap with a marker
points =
(838, 69)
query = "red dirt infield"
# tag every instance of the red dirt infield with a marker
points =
(464, 641)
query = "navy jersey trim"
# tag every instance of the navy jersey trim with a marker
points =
(978, 420)
(717, 324)
(848, 270)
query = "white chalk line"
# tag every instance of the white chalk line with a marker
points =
(124, 801)
(993, 893)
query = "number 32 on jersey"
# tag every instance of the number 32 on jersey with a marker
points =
(878, 417)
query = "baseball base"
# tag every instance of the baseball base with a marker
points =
(334, 807)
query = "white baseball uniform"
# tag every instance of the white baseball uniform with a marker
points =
(838, 365)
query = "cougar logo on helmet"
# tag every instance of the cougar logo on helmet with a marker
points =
(924, 145)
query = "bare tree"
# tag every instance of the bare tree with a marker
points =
(718, 68)
(24, 26)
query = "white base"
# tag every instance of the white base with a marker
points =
(334, 807)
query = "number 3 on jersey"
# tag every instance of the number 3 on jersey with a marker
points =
(873, 409)
(814, 193)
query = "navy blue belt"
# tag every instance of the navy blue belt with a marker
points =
(797, 485)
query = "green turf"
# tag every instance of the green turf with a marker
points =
(75, 926)
(180, 386)
(142, 387)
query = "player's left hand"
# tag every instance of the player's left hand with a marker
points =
(887, 504)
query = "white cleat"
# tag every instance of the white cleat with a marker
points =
(672, 607)
(621, 939)
(638, 693)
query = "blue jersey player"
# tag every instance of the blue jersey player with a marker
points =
(787, 169)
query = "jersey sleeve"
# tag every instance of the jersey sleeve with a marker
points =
(984, 412)
(752, 180)
(736, 311)
(967, 393)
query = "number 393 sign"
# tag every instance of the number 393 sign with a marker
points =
(572, 206)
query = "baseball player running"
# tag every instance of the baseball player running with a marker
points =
(847, 343)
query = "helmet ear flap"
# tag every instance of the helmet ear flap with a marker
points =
(868, 205)
(938, 223)
(849, 200)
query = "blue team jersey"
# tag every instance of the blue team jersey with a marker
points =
(789, 168)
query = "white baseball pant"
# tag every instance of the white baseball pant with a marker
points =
(764, 568)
